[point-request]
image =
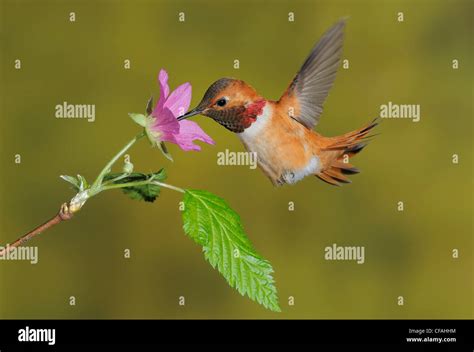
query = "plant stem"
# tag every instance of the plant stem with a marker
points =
(67, 209)
(97, 183)
(125, 185)
(62, 215)
(118, 178)
(65, 213)
(165, 185)
(141, 183)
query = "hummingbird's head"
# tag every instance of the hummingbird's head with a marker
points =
(230, 102)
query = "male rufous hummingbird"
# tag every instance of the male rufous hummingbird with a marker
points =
(281, 132)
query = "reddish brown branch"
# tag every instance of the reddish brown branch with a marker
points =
(63, 215)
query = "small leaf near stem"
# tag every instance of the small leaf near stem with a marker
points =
(139, 186)
(110, 181)
(72, 180)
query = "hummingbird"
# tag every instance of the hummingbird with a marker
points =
(280, 132)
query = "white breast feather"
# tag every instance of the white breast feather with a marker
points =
(250, 136)
(252, 132)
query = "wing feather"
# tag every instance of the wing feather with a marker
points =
(312, 83)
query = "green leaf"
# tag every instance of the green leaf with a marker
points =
(210, 222)
(138, 118)
(72, 180)
(147, 192)
(82, 183)
(79, 183)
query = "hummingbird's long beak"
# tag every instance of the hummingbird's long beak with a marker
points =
(190, 113)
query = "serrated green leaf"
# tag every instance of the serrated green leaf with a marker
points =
(147, 192)
(210, 222)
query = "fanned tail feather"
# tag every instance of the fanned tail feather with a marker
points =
(339, 150)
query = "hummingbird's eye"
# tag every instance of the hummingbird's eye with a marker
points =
(221, 102)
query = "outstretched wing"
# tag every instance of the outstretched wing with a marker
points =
(307, 92)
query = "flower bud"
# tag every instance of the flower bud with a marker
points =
(128, 167)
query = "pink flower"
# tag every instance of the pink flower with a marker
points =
(162, 124)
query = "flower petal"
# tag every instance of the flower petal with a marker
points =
(163, 79)
(165, 123)
(164, 91)
(188, 132)
(179, 100)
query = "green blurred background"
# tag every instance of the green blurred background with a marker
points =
(407, 253)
